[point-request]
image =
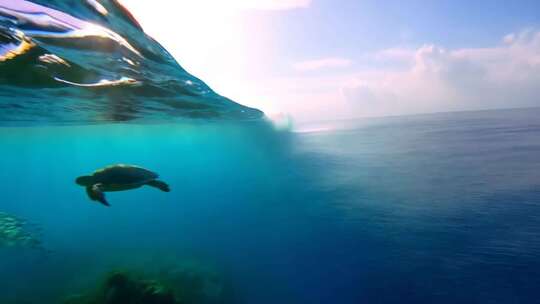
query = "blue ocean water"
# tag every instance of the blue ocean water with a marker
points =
(440, 208)
(437, 208)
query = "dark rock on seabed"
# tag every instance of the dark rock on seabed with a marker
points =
(178, 287)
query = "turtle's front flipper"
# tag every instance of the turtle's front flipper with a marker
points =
(94, 193)
(160, 185)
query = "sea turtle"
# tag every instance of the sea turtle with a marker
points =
(118, 178)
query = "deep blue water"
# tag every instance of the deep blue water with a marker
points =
(441, 208)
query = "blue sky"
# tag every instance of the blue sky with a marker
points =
(320, 59)
(352, 26)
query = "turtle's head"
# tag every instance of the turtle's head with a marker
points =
(85, 180)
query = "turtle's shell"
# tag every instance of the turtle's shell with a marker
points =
(123, 175)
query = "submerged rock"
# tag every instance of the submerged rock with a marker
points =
(177, 287)
(123, 288)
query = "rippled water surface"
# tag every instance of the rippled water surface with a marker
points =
(72, 62)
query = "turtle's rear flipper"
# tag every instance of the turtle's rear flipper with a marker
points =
(103, 201)
(94, 193)
(160, 185)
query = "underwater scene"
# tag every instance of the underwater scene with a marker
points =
(125, 179)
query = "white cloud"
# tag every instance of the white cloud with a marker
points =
(401, 54)
(324, 63)
(509, 38)
(403, 80)
(438, 79)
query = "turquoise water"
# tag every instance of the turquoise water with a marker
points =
(422, 209)
(440, 208)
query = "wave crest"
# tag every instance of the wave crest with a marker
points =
(87, 61)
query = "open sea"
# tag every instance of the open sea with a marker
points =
(439, 208)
